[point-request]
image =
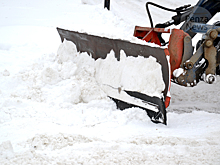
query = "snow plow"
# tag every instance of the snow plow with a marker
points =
(177, 61)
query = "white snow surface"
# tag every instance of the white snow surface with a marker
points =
(125, 74)
(52, 110)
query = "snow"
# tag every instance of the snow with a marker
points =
(126, 72)
(115, 77)
(178, 72)
(52, 110)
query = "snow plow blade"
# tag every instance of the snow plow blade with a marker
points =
(99, 47)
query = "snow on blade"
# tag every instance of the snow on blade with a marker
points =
(130, 73)
(178, 72)
(138, 74)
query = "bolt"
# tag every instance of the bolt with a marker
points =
(189, 65)
(187, 39)
(210, 78)
(213, 34)
(208, 43)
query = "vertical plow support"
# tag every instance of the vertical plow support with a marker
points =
(107, 4)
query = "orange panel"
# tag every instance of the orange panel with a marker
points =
(176, 48)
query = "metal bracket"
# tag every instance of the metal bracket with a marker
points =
(194, 68)
(210, 54)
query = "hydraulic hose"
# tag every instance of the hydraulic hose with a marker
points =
(178, 10)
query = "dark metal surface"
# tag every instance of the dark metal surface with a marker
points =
(157, 117)
(210, 56)
(187, 50)
(191, 76)
(218, 55)
(107, 4)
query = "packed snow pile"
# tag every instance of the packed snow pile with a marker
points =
(54, 111)
(125, 74)
(80, 68)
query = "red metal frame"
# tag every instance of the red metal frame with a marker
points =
(175, 46)
(149, 34)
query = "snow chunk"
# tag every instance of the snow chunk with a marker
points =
(66, 51)
(6, 73)
(80, 69)
(178, 72)
(85, 74)
(139, 74)
(50, 76)
(6, 150)
(67, 70)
